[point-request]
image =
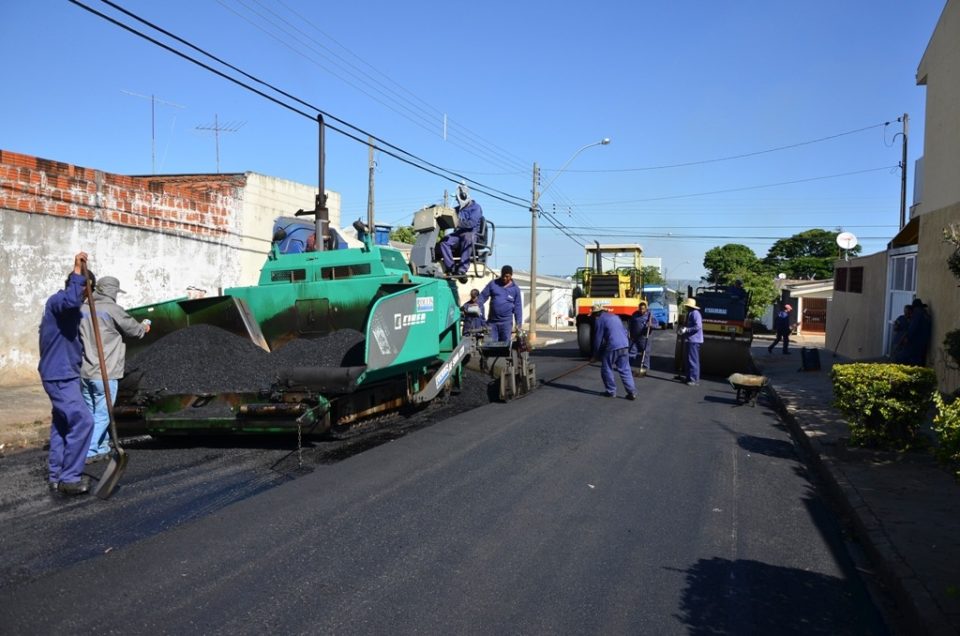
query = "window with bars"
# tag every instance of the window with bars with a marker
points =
(840, 279)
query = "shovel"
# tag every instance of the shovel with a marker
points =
(118, 457)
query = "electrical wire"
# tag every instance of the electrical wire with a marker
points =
(480, 187)
(740, 156)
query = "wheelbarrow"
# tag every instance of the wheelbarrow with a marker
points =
(748, 387)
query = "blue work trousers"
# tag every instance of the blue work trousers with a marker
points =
(459, 243)
(96, 400)
(500, 331)
(693, 361)
(637, 349)
(70, 430)
(618, 359)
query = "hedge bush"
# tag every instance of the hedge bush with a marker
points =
(884, 403)
(946, 424)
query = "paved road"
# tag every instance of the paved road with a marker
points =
(561, 512)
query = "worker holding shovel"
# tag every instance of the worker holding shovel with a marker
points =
(61, 353)
(640, 325)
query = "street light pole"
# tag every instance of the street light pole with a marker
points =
(534, 209)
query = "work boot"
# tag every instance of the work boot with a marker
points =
(631, 396)
(770, 349)
(692, 383)
(71, 488)
(610, 395)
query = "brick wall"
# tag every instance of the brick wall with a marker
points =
(157, 235)
(199, 206)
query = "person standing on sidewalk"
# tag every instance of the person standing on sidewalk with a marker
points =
(611, 346)
(781, 324)
(692, 333)
(916, 341)
(114, 323)
(61, 354)
(506, 305)
(641, 322)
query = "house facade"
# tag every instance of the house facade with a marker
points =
(870, 292)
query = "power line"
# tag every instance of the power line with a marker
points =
(741, 156)
(755, 187)
(480, 187)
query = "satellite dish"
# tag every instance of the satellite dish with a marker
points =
(781, 276)
(846, 240)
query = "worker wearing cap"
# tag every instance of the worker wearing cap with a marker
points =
(469, 214)
(692, 334)
(641, 322)
(611, 346)
(737, 289)
(781, 324)
(114, 323)
(61, 353)
(506, 305)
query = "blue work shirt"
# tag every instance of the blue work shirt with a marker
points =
(781, 322)
(694, 326)
(469, 216)
(60, 349)
(472, 321)
(504, 301)
(639, 323)
(609, 333)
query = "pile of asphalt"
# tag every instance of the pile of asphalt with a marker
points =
(207, 359)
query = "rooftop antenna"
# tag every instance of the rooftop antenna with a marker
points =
(153, 123)
(216, 129)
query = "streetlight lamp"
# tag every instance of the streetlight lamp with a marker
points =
(534, 207)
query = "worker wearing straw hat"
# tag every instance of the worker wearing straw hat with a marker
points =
(692, 334)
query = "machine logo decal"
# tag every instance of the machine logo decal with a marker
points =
(425, 304)
(408, 320)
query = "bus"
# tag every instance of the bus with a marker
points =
(662, 303)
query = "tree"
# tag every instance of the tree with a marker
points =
(652, 276)
(721, 262)
(809, 254)
(404, 234)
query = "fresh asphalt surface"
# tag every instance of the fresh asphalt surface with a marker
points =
(561, 512)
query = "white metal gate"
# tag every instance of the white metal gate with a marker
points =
(901, 288)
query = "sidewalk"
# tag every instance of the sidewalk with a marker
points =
(905, 509)
(24, 417)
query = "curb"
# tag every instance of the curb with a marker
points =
(918, 608)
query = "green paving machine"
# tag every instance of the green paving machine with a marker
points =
(410, 351)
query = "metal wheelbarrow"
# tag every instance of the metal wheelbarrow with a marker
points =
(748, 387)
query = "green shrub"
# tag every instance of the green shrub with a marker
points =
(884, 403)
(951, 344)
(946, 424)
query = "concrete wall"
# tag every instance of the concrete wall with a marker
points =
(940, 290)
(863, 337)
(158, 235)
(266, 198)
(939, 70)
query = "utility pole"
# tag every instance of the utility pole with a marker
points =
(903, 172)
(534, 208)
(372, 165)
(216, 129)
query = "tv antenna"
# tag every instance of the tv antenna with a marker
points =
(216, 129)
(153, 123)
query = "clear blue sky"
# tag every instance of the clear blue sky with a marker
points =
(668, 82)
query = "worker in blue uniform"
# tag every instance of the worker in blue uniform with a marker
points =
(916, 340)
(506, 305)
(611, 346)
(692, 334)
(460, 241)
(641, 323)
(472, 312)
(781, 325)
(61, 354)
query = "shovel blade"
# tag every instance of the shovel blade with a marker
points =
(111, 476)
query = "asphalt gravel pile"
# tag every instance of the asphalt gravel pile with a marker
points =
(207, 359)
